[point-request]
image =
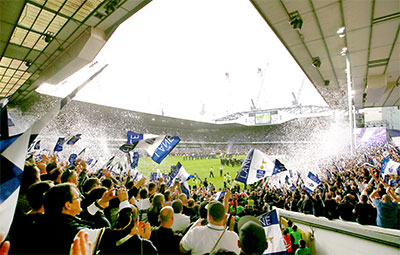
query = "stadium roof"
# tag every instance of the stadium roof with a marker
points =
(371, 36)
(48, 40)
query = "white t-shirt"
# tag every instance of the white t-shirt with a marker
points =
(143, 204)
(181, 222)
(200, 240)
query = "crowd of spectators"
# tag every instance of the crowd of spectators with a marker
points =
(58, 203)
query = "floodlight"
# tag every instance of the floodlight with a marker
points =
(295, 20)
(316, 62)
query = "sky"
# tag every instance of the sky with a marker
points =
(179, 57)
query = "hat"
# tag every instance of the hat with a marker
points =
(252, 235)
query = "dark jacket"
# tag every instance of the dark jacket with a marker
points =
(165, 240)
(115, 243)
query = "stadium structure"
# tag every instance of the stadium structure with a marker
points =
(349, 50)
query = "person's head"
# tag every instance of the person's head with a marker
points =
(128, 223)
(183, 198)
(252, 238)
(152, 188)
(167, 216)
(167, 195)
(294, 228)
(364, 199)
(302, 243)
(69, 175)
(191, 202)
(30, 175)
(216, 212)
(55, 175)
(35, 194)
(290, 223)
(63, 199)
(177, 206)
(50, 166)
(157, 203)
(285, 232)
(143, 193)
(203, 210)
(108, 183)
(386, 198)
(90, 184)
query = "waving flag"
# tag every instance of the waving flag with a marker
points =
(80, 154)
(135, 160)
(59, 144)
(270, 223)
(256, 166)
(311, 182)
(157, 146)
(219, 195)
(74, 139)
(12, 158)
(390, 167)
(179, 173)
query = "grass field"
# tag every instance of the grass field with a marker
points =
(201, 167)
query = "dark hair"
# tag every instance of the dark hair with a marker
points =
(294, 228)
(216, 210)
(35, 194)
(56, 197)
(29, 177)
(143, 193)
(50, 166)
(90, 184)
(108, 182)
(66, 175)
(290, 223)
(152, 186)
(364, 199)
(302, 243)
(177, 206)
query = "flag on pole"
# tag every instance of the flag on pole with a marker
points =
(74, 139)
(218, 196)
(390, 167)
(82, 153)
(311, 182)
(258, 165)
(12, 159)
(157, 146)
(179, 173)
(59, 144)
(135, 160)
(270, 223)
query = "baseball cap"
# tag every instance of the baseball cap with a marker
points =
(252, 235)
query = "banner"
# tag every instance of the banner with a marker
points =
(311, 182)
(258, 165)
(74, 139)
(157, 146)
(59, 144)
(390, 167)
(179, 173)
(270, 223)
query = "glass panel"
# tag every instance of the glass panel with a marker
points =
(18, 35)
(43, 21)
(28, 15)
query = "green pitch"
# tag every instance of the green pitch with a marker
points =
(201, 167)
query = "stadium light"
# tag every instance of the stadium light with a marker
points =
(341, 32)
(295, 20)
(316, 62)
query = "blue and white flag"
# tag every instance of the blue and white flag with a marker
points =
(394, 183)
(292, 188)
(219, 195)
(133, 137)
(157, 146)
(185, 189)
(258, 165)
(89, 161)
(74, 139)
(12, 159)
(135, 160)
(276, 243)
(198, 177)
(180, 174)
(109, 162)
(59, 144)
(72, 159)
(390, 167)
(328, 174)
(311, 182)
